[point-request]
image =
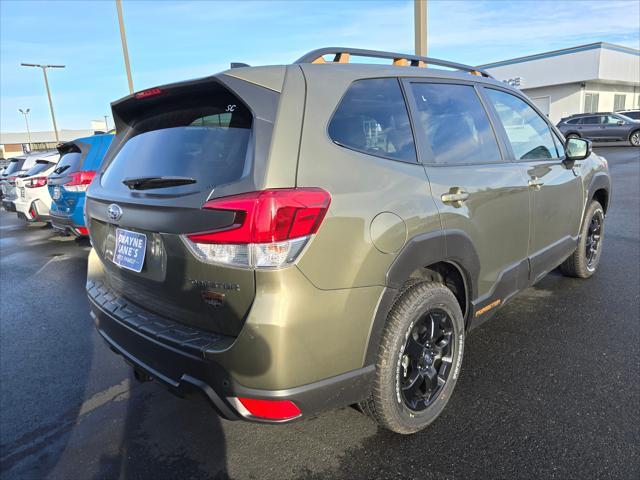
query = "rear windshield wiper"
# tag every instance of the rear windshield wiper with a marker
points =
(61, 169)
(147, 183)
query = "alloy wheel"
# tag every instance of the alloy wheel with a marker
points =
(594, 235)
(426, 360)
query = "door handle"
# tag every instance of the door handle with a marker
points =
(535, 183)
(456, 197)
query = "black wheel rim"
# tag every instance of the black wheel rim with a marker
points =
(426, 360)
(594, 240)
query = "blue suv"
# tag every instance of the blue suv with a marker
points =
(79, 161)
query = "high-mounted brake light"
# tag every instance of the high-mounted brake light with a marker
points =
(269, 409)
(270, 228)
(36, 182)
(151, 92)
(80, 181)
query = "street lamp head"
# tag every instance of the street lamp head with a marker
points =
(41, 66)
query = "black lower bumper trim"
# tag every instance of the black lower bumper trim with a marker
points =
(62, 223)
(180, 359)
(186, 384)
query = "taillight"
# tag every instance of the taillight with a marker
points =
(270, 229)
(82, 231)
(269, 409)
(36, 182)
(80, 181)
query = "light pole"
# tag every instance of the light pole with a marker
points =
(106, 124)
(125, 50)
(46, 83)
(26, 120)
(420, 24)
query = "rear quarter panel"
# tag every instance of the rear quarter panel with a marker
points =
(362, 186)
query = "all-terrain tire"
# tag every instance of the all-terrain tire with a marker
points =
(385, 404)
(578, 265)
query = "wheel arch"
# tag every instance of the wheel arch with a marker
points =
(599, 189)
(445, 256)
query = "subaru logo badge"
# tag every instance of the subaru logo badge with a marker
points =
(114, 212)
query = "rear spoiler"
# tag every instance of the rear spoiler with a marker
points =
(130, 107)
(73, 146)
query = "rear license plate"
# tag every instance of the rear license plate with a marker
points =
(130, 249)
(57, 193)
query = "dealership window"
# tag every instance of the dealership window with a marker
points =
(591, 102)
(618, 102)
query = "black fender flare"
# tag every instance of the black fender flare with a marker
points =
(599, 181)
(451, 246)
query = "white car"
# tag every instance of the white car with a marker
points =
(32, 195)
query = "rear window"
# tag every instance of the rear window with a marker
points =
(69, 162)
(205, 138)
(372, 118)
(39, 167)
(14, 166)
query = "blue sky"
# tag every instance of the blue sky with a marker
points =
(176, 40)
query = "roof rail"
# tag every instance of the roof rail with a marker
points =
(342, 55)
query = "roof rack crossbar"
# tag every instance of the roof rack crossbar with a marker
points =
(342, 55)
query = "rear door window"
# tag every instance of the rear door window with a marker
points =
(528, 134)
(454, 123)
(372, 118)
(203, 138)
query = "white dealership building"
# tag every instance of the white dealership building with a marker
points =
(599, 77)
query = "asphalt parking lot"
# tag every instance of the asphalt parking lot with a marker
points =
(550, 387)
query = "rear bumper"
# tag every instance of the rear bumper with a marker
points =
(179, 357)
(31, 210)
(64, 224)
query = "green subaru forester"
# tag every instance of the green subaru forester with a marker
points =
(290, 239)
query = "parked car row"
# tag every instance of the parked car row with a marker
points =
(50, 186)
(603, 127)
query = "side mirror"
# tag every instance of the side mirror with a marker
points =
(620, 122)
(577, 149)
